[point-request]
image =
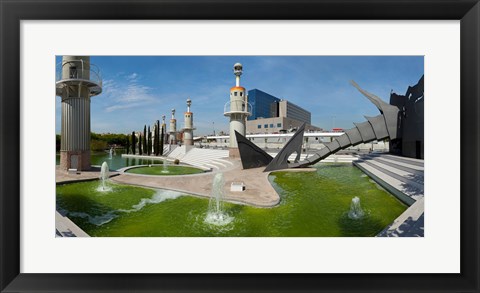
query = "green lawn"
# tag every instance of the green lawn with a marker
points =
(169, 170)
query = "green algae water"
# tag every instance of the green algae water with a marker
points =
(165, 171)
(312, 204)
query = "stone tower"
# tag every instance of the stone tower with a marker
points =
(188, 129)
(173, 129)
(77, 81)
(237, 109)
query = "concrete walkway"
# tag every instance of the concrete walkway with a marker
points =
(258, 192)
(64, 227)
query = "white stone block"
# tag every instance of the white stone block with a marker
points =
(237, 186)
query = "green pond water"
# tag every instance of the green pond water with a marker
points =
(312, 204)
(165, 171)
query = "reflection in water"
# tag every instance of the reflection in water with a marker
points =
(116, 161)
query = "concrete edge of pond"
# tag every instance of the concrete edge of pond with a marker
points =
(125, 169)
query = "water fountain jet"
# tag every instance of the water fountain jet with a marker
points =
(356, 211)
(165, 167)
(104, 174)
(216, 214)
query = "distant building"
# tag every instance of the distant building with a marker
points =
(290, 110)
(263, 104)
(273, 115)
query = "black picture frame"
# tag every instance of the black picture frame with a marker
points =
(13, 11)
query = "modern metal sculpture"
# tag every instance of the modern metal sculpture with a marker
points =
(293, 145)
(411, 142)
(385, 125)
(251, 155)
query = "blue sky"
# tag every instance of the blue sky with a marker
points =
(138, 90)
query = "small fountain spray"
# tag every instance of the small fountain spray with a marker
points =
(356, 211)
(104, 174)
(110, 153)
(165, 167)
(216, 214)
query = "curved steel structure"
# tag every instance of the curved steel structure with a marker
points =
(385, 125)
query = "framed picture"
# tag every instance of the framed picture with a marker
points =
(441, 38)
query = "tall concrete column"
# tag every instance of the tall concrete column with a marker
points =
(188, 129)
(173, 129)
(238, 110)
(76, 83)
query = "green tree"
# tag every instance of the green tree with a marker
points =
(154, 140)
(157, 138)
(134, 151)
(149, 142)
(58, 142)
(140, 144)
(98, 145)
(127, 144)
(161, 143)
(144, 144)
(110, 138)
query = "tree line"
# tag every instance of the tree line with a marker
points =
(100, 141)
(145, 144)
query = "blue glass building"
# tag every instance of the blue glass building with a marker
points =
(263, 105)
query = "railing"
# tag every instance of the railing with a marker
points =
(76, 71)
(239, 106)
(192, 127)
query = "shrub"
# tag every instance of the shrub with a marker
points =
(176, 162)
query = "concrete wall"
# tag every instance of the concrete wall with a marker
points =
(310, 144)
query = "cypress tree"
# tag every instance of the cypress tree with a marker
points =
(140, 144)
(149, 142)
(157, 138)
(127, 144)
(134, 151)
(145, 139)
(161, 143)
(154, 143)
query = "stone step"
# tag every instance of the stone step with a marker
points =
(211, 166)
(407, 164)
(225, 162)
(403, 191)
(417, 162)
(406, 177)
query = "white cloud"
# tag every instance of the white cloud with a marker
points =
(121, 107)
(127, 94)
(132, 76)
